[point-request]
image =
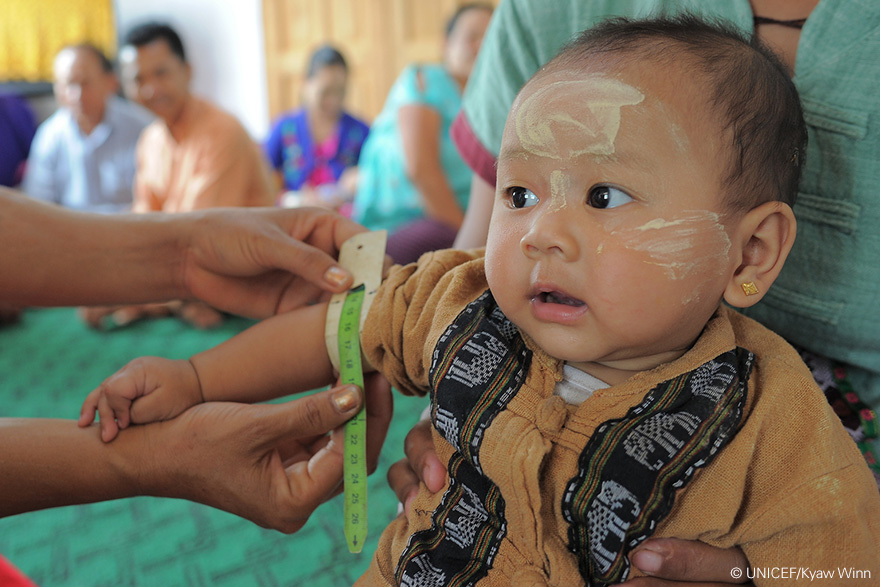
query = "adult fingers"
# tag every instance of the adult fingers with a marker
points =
(689, 560)
(289, 252)
(311, 415)
(380, 409)
(422, 456)
(310, 483)
(404, 481)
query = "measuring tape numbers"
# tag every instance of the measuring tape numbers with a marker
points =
(364, 256)
(355, 468)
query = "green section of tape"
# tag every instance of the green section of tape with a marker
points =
(355, 469)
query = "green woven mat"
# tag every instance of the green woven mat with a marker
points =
(48, 363)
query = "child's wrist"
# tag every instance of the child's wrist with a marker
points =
(201, 398)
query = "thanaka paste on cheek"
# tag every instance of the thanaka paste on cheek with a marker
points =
(688, 245)
(566, 119)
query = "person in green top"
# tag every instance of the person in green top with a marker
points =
(826, 299)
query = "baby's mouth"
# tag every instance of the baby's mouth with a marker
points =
(556, 297)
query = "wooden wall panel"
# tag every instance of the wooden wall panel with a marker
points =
(377, 37)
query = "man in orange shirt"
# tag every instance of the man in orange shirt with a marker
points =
(196, 155)
(193, 156)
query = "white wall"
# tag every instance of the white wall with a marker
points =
(224, 43)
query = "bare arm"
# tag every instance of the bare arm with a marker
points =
(475, 228)
(57, 256)
(272, 464)
(420, 133)
(251, 262)
(276, 357)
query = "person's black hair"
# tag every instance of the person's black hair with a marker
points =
(453, 20)
(150, 32)
(748, 87)
(324, 56)
(106, 64)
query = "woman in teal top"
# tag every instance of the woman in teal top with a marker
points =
(412, 180)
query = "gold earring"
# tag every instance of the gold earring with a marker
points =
(750, 288)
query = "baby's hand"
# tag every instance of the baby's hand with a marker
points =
(146, 390)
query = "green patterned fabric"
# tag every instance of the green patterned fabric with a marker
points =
(48, 363)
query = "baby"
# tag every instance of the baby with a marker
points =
(588, 387)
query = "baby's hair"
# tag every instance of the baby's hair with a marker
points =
(150, 32)
(324, 56)
(750, 89)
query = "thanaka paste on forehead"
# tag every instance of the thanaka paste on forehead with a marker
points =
(560, 183)
(549, 113)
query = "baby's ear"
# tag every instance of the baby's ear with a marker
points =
(764, 238)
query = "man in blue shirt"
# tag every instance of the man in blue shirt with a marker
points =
(83, 156)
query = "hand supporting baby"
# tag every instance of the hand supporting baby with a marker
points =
(148, 389)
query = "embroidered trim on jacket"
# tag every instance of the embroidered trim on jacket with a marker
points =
(478, 365)
(631, 468)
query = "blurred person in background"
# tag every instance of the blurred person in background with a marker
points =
(315, 150)
(412, 181)
(83, 156)
(195, 156)
(17, 128)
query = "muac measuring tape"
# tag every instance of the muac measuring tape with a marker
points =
(364, 256)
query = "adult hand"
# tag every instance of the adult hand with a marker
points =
(420, 465)
(259, 262)
(253, 262)
(271, 464)
(672, 562)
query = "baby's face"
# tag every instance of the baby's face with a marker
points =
(608, 244)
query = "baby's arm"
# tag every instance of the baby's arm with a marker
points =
(279, 356)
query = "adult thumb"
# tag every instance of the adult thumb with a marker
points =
(316, 414)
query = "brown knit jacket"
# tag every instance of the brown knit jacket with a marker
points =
(790, 488)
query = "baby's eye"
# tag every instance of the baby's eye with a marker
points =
(605, 196)
(522, 197)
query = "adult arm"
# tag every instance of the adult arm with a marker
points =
(250, 262)
(420, 128)
(272, 464)
(475, 228)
